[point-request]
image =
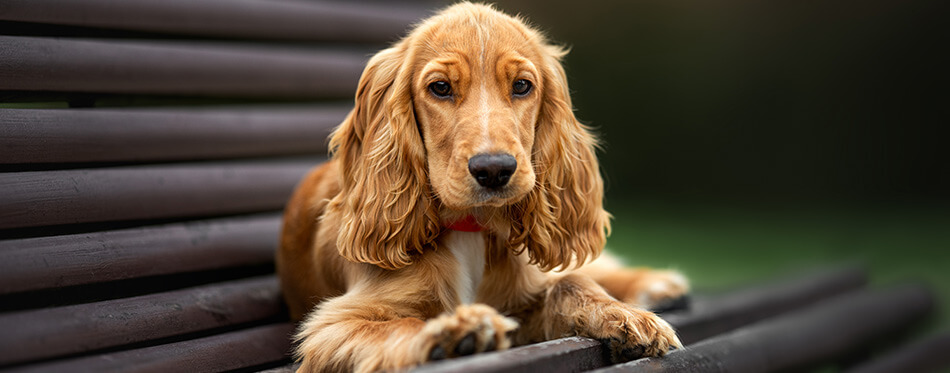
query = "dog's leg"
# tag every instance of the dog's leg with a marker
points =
(652, 289)
(365, 332)
(574, 305)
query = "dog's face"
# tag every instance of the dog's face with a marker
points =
(469, 110)
(477, 94)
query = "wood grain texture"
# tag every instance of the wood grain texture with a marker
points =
(100, 135)
(176, 68)
(712, 315)
(228, 351)
(77, 259)
(743, 306)
(572, 354)
(51, 332)
(248, 19)
(147, 192)
(926, 355)
(798, 340)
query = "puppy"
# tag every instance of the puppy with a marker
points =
(461, 197)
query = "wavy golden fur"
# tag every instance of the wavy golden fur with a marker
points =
(468, 117)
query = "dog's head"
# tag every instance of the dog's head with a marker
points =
(469, 114)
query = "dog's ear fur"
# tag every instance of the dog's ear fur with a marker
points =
(561, 221)
(386, 210)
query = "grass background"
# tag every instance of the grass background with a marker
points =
(745, 140)
(726, 246)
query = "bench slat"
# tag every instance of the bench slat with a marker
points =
(798, 340)
(147, 192)
(572, 354)
(725, 312)
(755, 303)
(928, 355)
(175, 68)
(95, 135)
(51, 332)
(77, 259)
(253, 19)
(240, 349)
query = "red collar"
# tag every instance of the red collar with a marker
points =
(466, 224)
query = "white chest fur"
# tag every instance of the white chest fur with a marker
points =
(468, 248)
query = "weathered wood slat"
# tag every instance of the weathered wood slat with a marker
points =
(252, 19)
(573, 354)
(798, 340)
(175, 68)
(50, 332)
(77, 259)
(927, 355)
(96, 135)
(716, 315)
(235, 350)
(289, 368)
(725, 312)
(147, 192)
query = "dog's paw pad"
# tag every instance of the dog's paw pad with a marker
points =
(466, 346)
(630, 333)
(659, 291)
(634, 352)
(470, 330)
(672, 304)
(437, 353)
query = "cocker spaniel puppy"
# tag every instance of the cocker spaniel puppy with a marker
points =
(461, 198)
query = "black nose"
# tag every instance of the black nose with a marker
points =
(492, 170)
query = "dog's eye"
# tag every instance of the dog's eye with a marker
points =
(521, 87)
(441, 89)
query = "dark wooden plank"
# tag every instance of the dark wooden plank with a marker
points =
(253, 19)
(289, 368)
(77, 259)
(572, 354)
(727, 311)
(798, 340)
(97, 135)
(927, 355)
(147, 192)
(51, 332)
(229, 351)
(176, 68)
(714, 315)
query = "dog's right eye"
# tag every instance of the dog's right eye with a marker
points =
(441, 89)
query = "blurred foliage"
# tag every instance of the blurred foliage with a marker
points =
(720, 246)
(753, 101)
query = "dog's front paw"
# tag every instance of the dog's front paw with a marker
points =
(471, 329)
(658, 290)
(632, 333)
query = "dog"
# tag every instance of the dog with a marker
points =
(461, 212)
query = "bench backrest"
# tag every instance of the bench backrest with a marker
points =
(146, 149)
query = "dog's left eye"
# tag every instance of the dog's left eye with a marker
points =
(521, 87)
(441, 89)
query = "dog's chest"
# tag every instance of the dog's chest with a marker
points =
(468, 248)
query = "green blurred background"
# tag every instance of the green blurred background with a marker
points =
(746, 139)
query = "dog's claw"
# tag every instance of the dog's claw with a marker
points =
(437, 353)
(466, 346)
(675, 304)
(635, 352)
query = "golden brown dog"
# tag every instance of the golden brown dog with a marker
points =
(461, 196)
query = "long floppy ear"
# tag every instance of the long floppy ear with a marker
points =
(385, 207)
(562, 220)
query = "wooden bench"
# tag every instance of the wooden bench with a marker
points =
(793, 324)
(149, 146)
(146, 150)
